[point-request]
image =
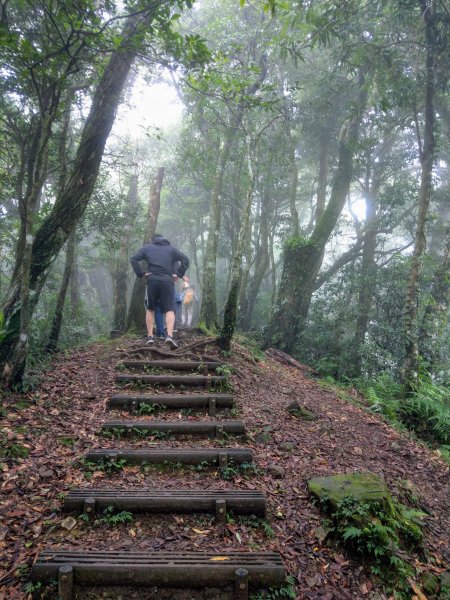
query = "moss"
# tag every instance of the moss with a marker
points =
(296, 243)
(359, 486)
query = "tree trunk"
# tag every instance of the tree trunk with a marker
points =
(411, 364)
(324, 143)
(230, 314)
(261, 265)
(434, 320)
(136, 310)
(302, 258)
(366, 282)
(120, 277)
(69, 207)
(55, 329)
(208, 311)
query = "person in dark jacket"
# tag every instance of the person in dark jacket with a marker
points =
(165, 264)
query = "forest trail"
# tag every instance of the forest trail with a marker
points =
(51, 428)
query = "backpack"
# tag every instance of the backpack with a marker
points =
(188, 297)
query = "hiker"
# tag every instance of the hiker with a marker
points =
(161, 273)
(187, 302)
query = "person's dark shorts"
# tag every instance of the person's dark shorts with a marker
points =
(162, 290)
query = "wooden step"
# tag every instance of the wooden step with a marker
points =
(219, 502)
(175, 365)
(186, 456)
(165, 569)
(199, 380)
(212, 401)
(213, 428)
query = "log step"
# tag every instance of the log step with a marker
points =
(158, 501)
(175, 365)
(186, 456)
(213, 428)
(212, 401)
(165, 569)
(203, 380)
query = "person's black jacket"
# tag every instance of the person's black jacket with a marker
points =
(163, 259)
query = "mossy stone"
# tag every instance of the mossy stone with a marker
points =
(297, 410)
(445, 586)
(430, 583)
(359, 486)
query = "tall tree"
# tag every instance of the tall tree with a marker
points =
(43, 247)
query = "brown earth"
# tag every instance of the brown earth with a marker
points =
(60, 420)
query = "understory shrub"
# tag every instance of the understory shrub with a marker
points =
(382, 534)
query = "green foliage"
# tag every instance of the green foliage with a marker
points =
(30, 587)
(284, 592)
(108, 465)
(427, 412)
(224, 370)
(9, 449)
(110, 517)
(149, 409)
(246, 470)
(379, 532)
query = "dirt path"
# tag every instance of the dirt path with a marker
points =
(62, 420)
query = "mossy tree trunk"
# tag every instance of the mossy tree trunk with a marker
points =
(231, 305)
(63, 155)
(120, 275)
(426, 151)
(136, 309)
(69, 206)
(367, 282)
(208, 311)
(55, 329)
(261, 266)
(434, 321)
(302, 258)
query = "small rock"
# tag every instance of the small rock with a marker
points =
(297, 410)
(358, 451)
(262, 439)
(267, 428)
(395, 446)
(286, 390)
(275, 471)
(322, 533)
(46, 473)
(69, 523)
(295, 405)
(286, 446)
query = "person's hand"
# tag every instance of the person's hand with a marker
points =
(175, 277)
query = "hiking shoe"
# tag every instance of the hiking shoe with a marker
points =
(171, 342)
(150, 341)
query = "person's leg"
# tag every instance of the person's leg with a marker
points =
(150, 312)
(190, 312)
(159, 320)
(170, 322)
(149, 321)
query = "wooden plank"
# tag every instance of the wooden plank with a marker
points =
(186, 456)
(181, 501)
(170, 379)
(176, 427)
(190, 569)
(175, 365)
(171, 400)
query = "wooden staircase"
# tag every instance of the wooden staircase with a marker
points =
(243, 570)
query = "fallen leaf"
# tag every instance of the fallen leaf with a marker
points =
(201, 531)
(219, 558)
